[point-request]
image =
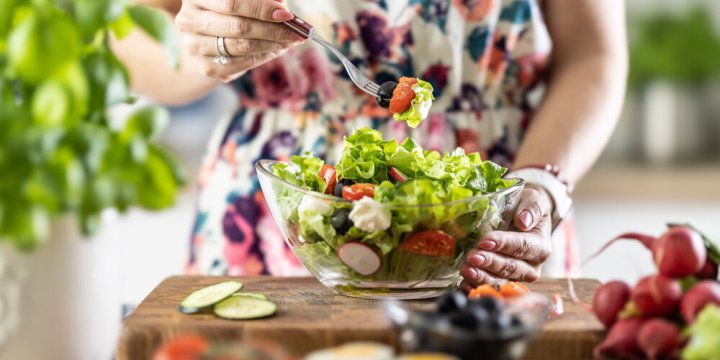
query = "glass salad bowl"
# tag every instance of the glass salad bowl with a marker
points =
(390, 250)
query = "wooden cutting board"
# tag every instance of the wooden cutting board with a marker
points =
(311, 316)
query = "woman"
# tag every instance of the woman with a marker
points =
(534, 85)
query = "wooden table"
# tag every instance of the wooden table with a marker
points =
(311, 316)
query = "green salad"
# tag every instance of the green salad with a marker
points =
(377, 231)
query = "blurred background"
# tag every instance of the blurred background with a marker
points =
(662, 164)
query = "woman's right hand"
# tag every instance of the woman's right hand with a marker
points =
(253, 35)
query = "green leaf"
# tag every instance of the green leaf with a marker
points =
(147, 123)
(122, 26)
(108, 78)
(178, 170)
(95, 15)
(703, 333)
(28, 227)
(62, 99)
(159, 27)
(158, 187)
(7, 10)
(69, 175)
(50, 104)
(40, 46)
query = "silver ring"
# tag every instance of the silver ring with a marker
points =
(221, 60)
(223, 57)
(220, 45)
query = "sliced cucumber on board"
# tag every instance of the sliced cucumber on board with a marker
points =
(202, 299)
(244, 308)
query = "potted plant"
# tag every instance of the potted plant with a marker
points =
(61, 154)
(674, 70)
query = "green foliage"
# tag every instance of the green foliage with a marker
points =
(58, 152)
(680, 49)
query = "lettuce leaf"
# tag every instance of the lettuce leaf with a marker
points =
(303, 170)
(422, 103)
(364, 157)
(704, 340)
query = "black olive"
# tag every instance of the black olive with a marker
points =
(463, 320)
(341, 222)
(340, 184)
(499, 322)
(489, 303)
(515, 322)
(448, 303)
(385, 93)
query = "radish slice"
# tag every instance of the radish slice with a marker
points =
(398, 175)
(360, 257)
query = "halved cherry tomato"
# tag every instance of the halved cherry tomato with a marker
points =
(403, 95)
(358, 191)
(484, 290)
(513, 289)
(430, 242)
(328, 173)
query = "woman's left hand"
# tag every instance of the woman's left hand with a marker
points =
(515, 255)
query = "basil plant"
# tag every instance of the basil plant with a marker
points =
(59, 152)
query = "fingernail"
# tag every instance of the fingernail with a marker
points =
(476, 260)
(470, 273)
(488, 244)
(295, 37)
(282, 15)
(526, 218)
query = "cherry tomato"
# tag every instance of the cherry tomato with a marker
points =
(403, 95)
(358, 191)
(430, 242)
(513, 289)
(328, 173)
(484, 290)
(185, 347)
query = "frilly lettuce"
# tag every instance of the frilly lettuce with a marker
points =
(419, 106)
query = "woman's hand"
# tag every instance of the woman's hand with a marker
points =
(253, 35)
(513, 255)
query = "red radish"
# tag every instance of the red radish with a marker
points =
(621, 340)
(360, 257)
(679, 252)
(656, 295)
(398, 175)
(659, 338)
(609, 300)
(645, 240)
(700, 295)
(709, 270)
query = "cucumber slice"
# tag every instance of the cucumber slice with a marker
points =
(244, 308)
(252, 295)
(208, 296)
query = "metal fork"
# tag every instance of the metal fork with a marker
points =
(306, 30)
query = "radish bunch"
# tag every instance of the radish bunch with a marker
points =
(647, 320)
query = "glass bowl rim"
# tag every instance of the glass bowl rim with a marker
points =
(262, 166)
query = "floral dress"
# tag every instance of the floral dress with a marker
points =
(484, 58)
